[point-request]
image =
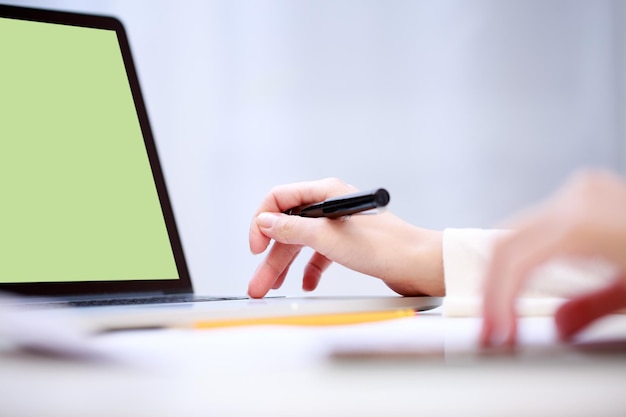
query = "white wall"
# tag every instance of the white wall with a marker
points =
(464, 110)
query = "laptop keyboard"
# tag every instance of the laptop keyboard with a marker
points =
(161, 299)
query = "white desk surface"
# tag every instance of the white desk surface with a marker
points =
(427, 368)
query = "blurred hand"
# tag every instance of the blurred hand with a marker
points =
(585, 219)
(408, 259)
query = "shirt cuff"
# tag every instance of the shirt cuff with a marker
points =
(466, 255)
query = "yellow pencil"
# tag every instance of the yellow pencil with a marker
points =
(309, 320)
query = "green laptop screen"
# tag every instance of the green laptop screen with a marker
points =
(78, 199)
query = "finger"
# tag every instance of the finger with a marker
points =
(502, 283)
(294, 230)
(281, 279)
(513, 260)
(499, 332)
(290, 233)
(486, 331)
(257, 241)
(287, 196)
(314, 270)
(272, 268)
(284, 197)
(579, 312)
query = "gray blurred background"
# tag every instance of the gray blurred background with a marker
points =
(464, 110)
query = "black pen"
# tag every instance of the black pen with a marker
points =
(337, 207)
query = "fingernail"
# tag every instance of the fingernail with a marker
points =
(266, 220)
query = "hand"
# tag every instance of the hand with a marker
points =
(406, 258)
(586, 218)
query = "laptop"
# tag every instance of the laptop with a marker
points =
(86, 220)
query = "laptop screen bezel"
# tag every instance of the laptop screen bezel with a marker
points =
(157, 286)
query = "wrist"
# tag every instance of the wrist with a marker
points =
(424, 273)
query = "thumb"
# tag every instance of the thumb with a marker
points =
(580, 312)
(285, 228)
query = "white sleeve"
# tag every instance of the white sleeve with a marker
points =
(466, 254)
